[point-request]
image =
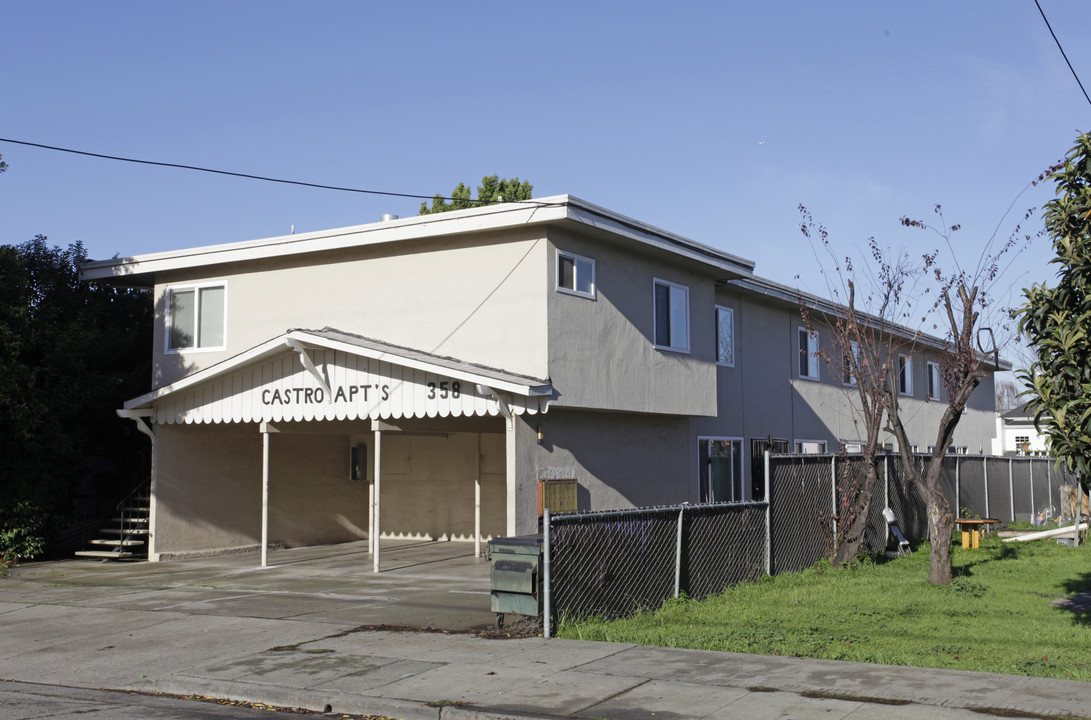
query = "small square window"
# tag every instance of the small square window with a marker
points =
(196, 317)
(671, 317)
(575, 274)
(725, 336)
(808, 354)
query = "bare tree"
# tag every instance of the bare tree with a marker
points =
(871, 330)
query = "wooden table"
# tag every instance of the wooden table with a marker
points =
(971, 530)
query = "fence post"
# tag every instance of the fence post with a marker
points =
(1049, 484)
(958, 487)
(985, 473)
(547, 598)
(886, 498)
(1033, 507)
(833, 495)
(768, 520)
(678, 555)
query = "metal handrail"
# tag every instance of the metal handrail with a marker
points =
(126, 533)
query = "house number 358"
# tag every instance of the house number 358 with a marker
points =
(446, 388)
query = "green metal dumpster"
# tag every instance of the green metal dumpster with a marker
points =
(515, 580)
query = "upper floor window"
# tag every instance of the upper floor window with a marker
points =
(905, 375)
(725, 336)
(933, 381)
(196, 317)
(852, 359)
(808, 354)
(575, 274)
(671, 316)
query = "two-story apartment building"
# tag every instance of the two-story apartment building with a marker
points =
(421, 377)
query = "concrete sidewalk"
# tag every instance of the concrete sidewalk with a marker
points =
(137, 627)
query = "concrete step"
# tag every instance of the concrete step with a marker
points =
(115, 543)
(134, 520)
(105, 554)
(131, 531)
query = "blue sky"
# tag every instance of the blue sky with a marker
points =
(712, 120)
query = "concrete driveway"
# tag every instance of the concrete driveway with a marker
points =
(439, 585)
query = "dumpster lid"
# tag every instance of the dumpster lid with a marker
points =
(526, 540)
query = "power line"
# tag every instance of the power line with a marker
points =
(255, 177)
(1062, 51)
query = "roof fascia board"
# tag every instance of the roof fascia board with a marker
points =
(796, 297)
(506, 215)
(595, 216)
(494, 217)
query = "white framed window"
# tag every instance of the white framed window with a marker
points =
(905, 375)
(671, 319)
(196, 317)
(933, 381)
(725, 336)
(810, 447)
(848, 377)
(808, 354)
(721, 469)
(575, 274)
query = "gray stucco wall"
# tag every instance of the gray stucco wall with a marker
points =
(602, 352)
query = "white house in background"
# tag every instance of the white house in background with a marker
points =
(444, 376)
(1016, 434)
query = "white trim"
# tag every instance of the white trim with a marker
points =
(576, 260)
(672, 347)
(731, 313)
(279, 344)
(196, 288)
(542, 211)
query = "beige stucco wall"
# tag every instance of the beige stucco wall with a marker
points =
(427, 485)
(208, 486)
(478, 298)
(602, 353)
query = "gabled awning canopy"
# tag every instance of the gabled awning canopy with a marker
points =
(332, 375)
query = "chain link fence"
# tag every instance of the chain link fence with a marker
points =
(615, 563)
(611, 564)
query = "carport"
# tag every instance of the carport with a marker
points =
(350, 394)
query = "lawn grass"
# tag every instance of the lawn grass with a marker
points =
(996, 615)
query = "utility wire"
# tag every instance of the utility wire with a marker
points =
(1062, 51)
(256, 177)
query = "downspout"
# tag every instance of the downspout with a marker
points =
(140, 418)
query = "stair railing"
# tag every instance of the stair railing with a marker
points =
(126, 527)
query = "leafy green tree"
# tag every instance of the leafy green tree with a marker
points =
(70, 354)
(1056, 320)
(491, 190)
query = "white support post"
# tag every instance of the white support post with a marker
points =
(1033, 510)
(477, 501)
(375, 524)
(958, 487)
(886, 497)
(509, 464)
(266, 430)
